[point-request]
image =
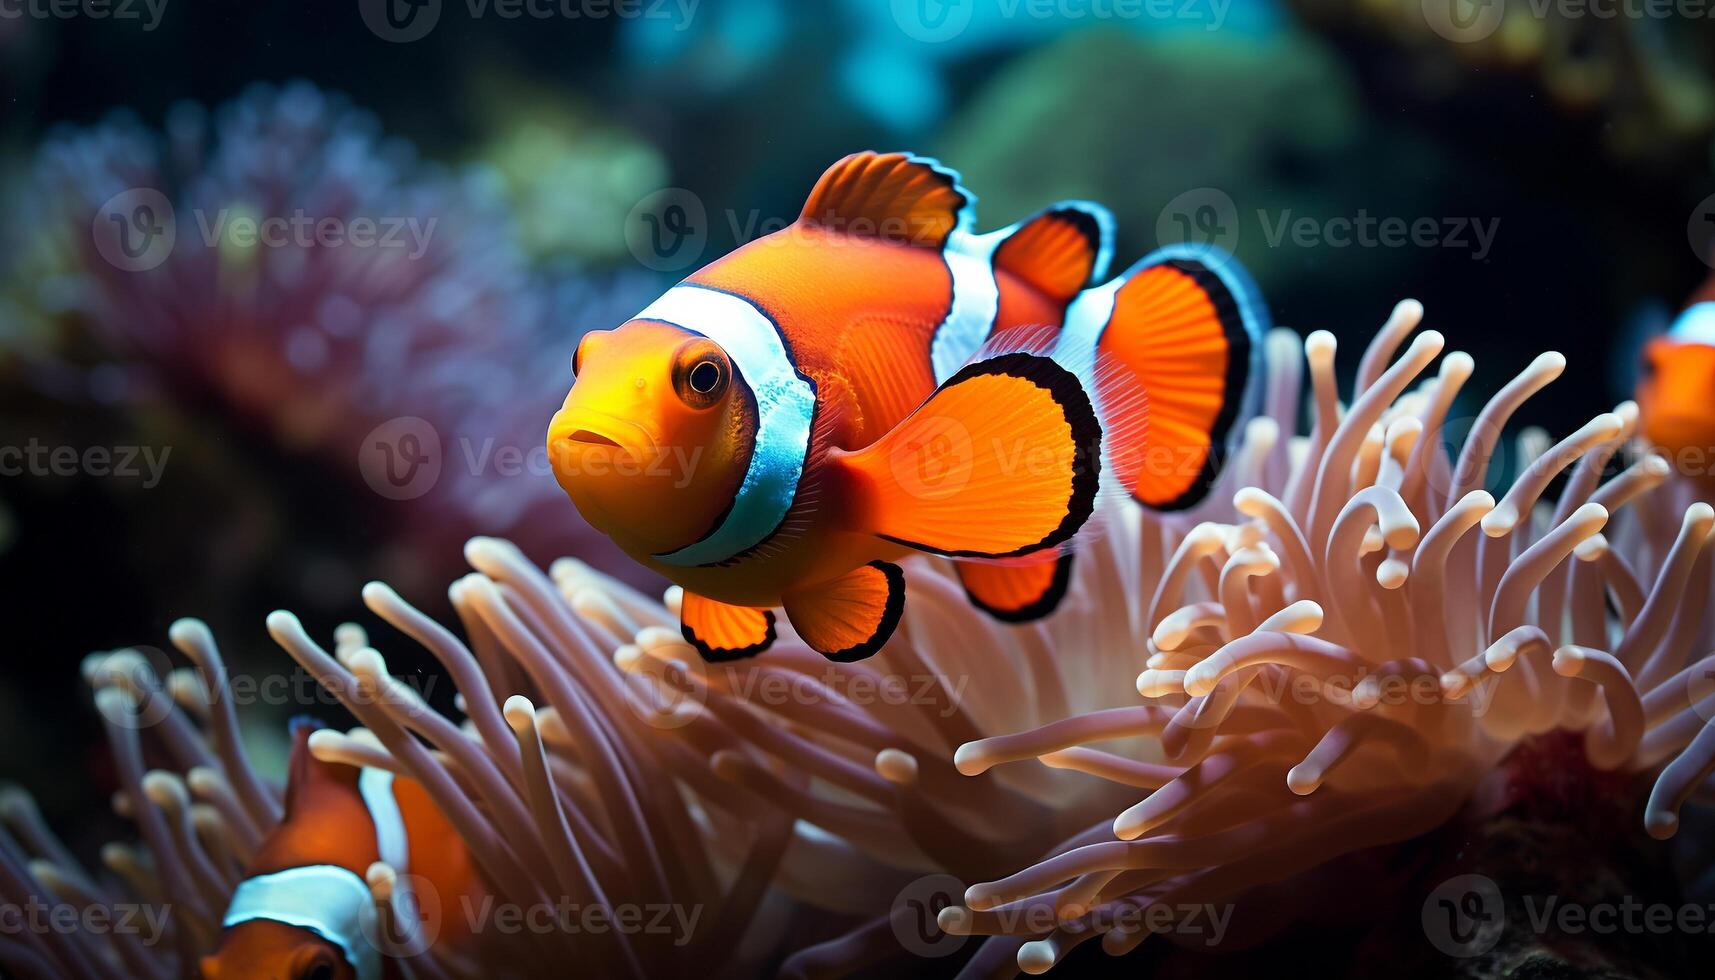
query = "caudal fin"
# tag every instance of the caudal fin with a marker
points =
(1002, 460)
(1185, 326)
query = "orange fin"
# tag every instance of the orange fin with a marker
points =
(896, 196)
(1061, 250)
(721, 632)
(1017, 592)
(1186, 326)
(309, 780)
(851, 617)
(995, 464)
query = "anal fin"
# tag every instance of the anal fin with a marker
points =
(722, 632)
(1017, 592)
(851, 617)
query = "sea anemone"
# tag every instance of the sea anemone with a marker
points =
(569, 803)
(153, 908)
(1342, 650)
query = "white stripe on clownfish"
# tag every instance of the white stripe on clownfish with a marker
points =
(1696, 325)
(785, 408)
(326, 899)
(975, 301)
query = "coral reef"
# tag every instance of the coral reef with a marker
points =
(1351, 644)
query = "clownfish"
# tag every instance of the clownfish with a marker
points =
(304, 910)
(876, 379)
(1675, 382)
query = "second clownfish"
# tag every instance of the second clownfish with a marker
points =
(781, 427)
(1673, 393)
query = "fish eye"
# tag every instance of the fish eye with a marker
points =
(705, 377)
(319, 967)
(701, 373)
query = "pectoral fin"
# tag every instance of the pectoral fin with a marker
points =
(851, 617)
(1001, 461)
(721, 632)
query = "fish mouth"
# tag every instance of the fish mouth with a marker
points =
(592, 438)
(583, 429)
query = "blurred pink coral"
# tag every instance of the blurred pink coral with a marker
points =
(387, 289)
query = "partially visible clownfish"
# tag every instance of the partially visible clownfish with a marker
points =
(877, 378)
(1676, 387)
(305, 910)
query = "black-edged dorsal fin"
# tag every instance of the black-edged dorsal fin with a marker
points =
(1061, 250)
(896, 196)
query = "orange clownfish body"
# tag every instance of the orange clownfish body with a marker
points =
(877, 378)
(305, 910)
(1676, 393)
